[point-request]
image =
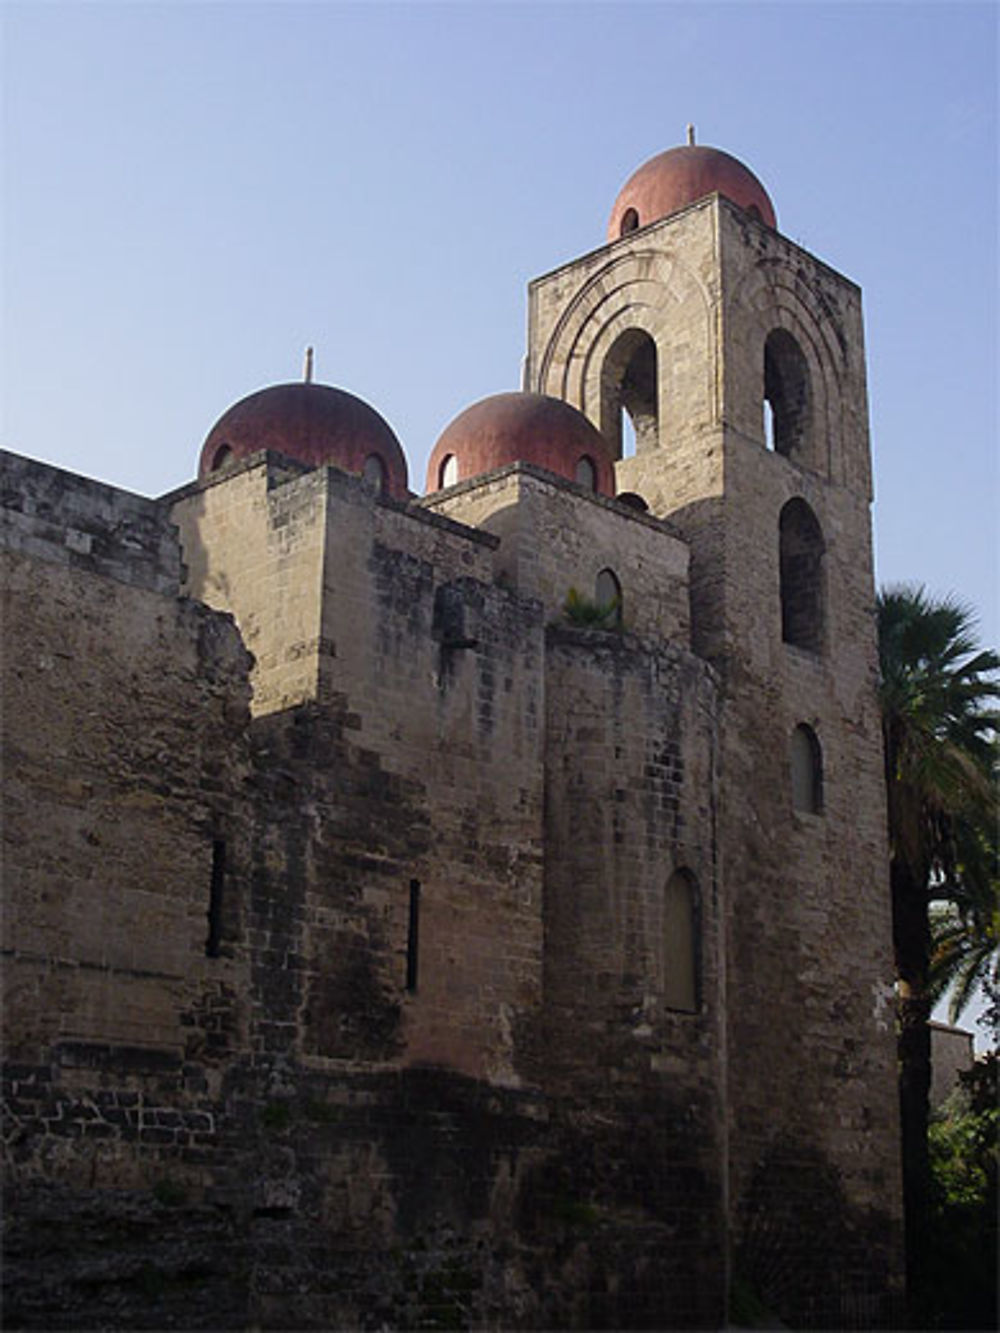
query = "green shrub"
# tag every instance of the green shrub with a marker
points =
(590, 614)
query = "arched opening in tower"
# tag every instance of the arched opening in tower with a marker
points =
(786, 395)
(630, 394)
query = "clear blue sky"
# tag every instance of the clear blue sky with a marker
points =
(194, 192)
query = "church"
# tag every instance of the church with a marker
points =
(468, 908)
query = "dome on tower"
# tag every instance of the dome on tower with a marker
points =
(522, 428)
(680, 176)
(315, 424)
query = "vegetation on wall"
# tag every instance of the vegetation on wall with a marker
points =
(588, 613)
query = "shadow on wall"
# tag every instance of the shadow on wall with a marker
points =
(800, 1247)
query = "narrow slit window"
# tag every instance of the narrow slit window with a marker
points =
(215, 897)
(681, 943)
(413, 936)
(806, 763)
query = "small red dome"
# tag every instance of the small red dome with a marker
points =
(522, 428)
(678, 177)
(314, 424)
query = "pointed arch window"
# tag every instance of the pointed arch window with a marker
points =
(608, 594)
(801, 560)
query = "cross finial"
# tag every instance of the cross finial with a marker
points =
(690, 136)
(307, 372)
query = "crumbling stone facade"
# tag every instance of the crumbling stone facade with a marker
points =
(385, 948)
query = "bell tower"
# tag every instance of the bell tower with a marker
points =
(725, 367)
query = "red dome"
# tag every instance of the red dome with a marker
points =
(314, 424)
(678, 177)
(522, 428)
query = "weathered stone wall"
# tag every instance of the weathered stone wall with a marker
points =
(631, 799)
(69, 520)
(555, 536)
(428, 777)
(282, 1134)
(808, 931)
(809, 920)
(125, 749)
(252, 542)
(125, 715)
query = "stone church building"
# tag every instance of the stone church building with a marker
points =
(468, 909)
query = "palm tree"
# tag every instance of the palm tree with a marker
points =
(965, 930)
(939, 737)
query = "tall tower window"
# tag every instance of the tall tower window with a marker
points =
(680, 942)
(786, 394)
(806, 763)
(801, 570)
(630, 385)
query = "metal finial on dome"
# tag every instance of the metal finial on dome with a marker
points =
(307, 372)
(690, 136)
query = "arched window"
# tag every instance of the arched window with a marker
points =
(374, 472)
(586, 473)
(801, 571)
(680, 942)
(630, 221)
(447, 471)
(786, 390)
(629, 385)
(221, 457)
(608, 594)
(806, 763)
